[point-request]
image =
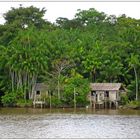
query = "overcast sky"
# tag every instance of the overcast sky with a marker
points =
(68, 9)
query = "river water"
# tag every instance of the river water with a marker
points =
(68, 123)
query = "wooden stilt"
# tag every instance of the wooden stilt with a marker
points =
(110, 104)
(105, 104)
(41, 105)
(34, 105)
(116, 104)
(94, 105)
(90, 101)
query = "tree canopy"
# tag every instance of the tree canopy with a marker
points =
(96, 46)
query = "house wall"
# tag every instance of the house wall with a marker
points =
(118, 95)
(44, 93)
(100, 95)
(112, 95)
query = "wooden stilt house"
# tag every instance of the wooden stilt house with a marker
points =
(105, 94)
(40, 93)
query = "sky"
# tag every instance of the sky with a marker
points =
(68, 9)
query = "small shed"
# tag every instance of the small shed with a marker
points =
(40, 92)
(105, 92)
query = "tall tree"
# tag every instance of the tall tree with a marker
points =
(135, 63)
(25, 58)
(21, 18)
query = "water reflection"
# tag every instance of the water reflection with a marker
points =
(68, 123)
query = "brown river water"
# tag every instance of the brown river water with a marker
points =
(69, 123)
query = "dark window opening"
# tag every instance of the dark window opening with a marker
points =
(38, 92)
(93, 93)
(107, 94)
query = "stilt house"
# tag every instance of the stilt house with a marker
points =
(105, 94)
(40, 93)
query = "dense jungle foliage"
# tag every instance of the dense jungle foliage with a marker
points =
(67, 54)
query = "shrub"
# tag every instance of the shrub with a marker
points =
(56, 102)
(12, 98)
(9, 99)
(134, 104)
(124, 99)
(24, 103)
(80, 86)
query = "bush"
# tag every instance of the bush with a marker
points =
(124, 99)
(80, 86)
(9, 99)
(13, 98)
(134, 104)
(56, 102)
(24, 103)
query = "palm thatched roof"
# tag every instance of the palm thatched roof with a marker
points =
(105, 86)
(40, 87)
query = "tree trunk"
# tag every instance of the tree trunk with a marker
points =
(33, 82)
(74, 99)
(28, 86)
(50, 100)
(25, 84)
(136, 77)
(58, 86)
(91, 77)
(94, 74)
(12, 78)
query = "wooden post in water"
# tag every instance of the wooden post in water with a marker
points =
(74, 99)
(41, 105)
(34, 103)
(94, 105)
(34, 100)
(99, 105)
(116, 104)
(90, 101)
(105, 104)
(110, 104)
(50, 101)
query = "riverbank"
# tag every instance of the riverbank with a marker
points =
(131, 105)
(121, 107)
(134, 107)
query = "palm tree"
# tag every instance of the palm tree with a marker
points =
(134, 63)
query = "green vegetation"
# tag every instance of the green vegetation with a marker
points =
(124, 99)
(78, 86)
(67, 55)
(134, 104)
